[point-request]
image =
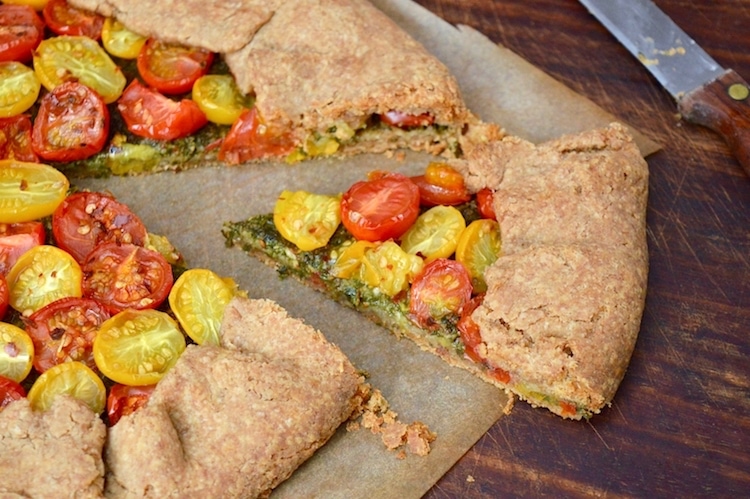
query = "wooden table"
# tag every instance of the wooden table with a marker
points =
(680, 423)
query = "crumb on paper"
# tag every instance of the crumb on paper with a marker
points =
(414, 438)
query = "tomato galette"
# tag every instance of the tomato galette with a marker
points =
(126, 87)
(524, 264)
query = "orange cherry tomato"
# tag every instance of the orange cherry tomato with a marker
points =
(124, 276)
(10, 391)
(150, 114)
(16, 239)
(64, 19)
(125, 399)
(172, 69)
(72, 123)
(250, 138)
(441, 184)
(64, 330)
(85, 219)
(381, 208)
(15, 139)
(443, 288)
(404, 120)
(21, 30)
(485, 200)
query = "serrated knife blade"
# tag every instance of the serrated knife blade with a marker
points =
(706, 93)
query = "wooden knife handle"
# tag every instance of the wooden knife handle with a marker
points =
(723, 106)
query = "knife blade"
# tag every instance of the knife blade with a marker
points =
(706, 93)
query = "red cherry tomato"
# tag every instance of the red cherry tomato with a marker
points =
(64, 19)
(124, 276)
(86, 219)
(443, 288)
(403, 120)
(152, 115)
(469, 330)
(123, 400)
(15, 139)
(485, 200)
(172, 69)
(64, 330)
(72, 123)
(16, 239)
(249, 139)
(21, 30)
(381, 208)
(10, 391)
(4, 296)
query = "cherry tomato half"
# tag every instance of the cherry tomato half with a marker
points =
(219, 97)
(10, 391)
(305, 219)
(380, 209)
(485, 203)
(72, 123)
(29, 191)
(147, 113)
(85, 219)
(16, 352)
(435, 233)
(120, 41)
(469, 330)
(64, 330)
(250, 138)
(64, 19)
(172, 69)
(124, 400)
(21, 31)
(124, 276)
(15, 139)
(16, 239)
(404, 120)
(443, 287)
(19, 88)
(74, 379)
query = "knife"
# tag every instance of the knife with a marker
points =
(706, 93)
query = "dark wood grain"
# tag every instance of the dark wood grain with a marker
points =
(680, 423)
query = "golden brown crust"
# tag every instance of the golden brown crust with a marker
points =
(51, 454)
(235, 420)
(565, 298)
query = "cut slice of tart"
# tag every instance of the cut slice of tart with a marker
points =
(552, 315)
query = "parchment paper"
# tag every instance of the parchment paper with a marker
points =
(189, 208)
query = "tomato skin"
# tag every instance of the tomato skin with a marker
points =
(15, 139)
(86, 219)
(172, 69)
(124, 276)
(381, 208)
(16, 239)
(72, 123)
(469, 330)
(10, 391)
(124, 400)
(152, 115)
(404, 120)
(4, 296)
(21, 30)
(249, 139)
(443, 287)
(485, 200)
(64, 19)
(64, 330)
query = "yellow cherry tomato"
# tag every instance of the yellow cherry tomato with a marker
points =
(16, 352)
(62, 58)
(37, 5)
(72, 378)
(389, 268)
(305, 219)
(349, 257)
(478, 248)
(120, 41)
(219, 98)
(29, 191)
(198, 299)
(435, 233)
(42, 275)
(138, 347)
(19, 88)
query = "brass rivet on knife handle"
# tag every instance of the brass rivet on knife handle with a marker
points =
(717, 107)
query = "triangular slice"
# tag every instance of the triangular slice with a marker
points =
(565, 295)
